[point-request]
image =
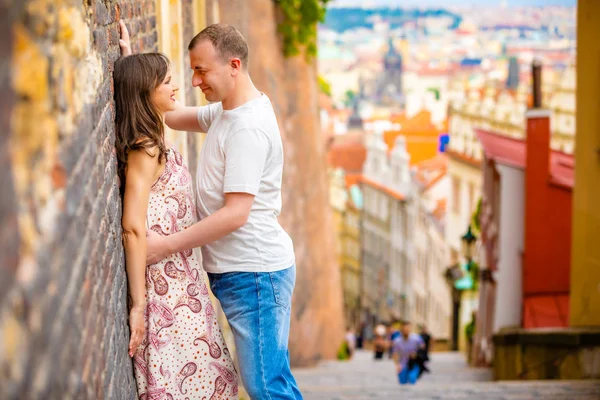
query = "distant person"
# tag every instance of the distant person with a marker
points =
(405, 351)
(350, 342)
(360, 338)
(427, 339)
(380, 342)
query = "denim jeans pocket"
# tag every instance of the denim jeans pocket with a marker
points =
(283, 286)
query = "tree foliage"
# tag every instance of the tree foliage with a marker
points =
(299, 28)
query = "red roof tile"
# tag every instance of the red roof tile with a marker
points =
(510, 151)
(352, 179)
(502, 149)
(382, 188)
(350, 156)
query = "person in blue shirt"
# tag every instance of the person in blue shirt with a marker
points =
(405, 350)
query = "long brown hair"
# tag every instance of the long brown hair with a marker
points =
(139, 124)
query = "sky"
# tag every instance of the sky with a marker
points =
(409, 3)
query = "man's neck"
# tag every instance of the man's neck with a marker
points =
(244, 92)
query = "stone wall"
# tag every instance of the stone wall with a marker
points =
(568, 353)
(63, 316)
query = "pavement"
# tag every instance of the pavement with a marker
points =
(363, 378)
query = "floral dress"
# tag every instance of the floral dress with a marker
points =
(183, 355)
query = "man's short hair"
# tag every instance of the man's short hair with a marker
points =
(227, 41)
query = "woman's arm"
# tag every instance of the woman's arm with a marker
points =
(141, 171)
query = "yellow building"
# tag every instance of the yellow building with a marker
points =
(351, 256)
(346, 205)
(337, 200)
(585, 260)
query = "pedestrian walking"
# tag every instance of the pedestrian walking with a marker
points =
(405, 351)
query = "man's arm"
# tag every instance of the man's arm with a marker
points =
(231, 217)
(183, 118)
(245, 156)
(396, 358)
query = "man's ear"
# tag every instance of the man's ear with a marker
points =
(236, 66)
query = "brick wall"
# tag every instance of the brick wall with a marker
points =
(9, 234)
(63, 316)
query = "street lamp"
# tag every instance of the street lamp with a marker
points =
(453, 274)
(468, 241)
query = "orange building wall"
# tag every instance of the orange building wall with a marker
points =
(422, 136)
(547, 258)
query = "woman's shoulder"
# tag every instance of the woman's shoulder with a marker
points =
(144, 161)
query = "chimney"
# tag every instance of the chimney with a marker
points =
(537, 156)
(537, 159)
(536, 73)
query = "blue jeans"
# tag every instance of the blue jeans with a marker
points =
(409, 375)
(257, 307)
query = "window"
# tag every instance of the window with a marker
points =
(471, 197)
(456, 195)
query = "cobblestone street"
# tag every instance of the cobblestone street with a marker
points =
(363, 378)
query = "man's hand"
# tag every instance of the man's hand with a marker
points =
(124, 42)
(398, 368)
(156, 248)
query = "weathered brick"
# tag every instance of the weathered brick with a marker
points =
(9, 233)
(103, 16)
(101, 40)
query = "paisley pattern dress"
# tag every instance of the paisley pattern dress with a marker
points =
(183, 355)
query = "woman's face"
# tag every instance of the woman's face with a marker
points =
(164, 95)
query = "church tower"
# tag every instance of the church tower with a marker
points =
(389, 90)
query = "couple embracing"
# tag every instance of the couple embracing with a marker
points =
(176, 343)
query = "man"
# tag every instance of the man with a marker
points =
(248, 256)
(405, 354)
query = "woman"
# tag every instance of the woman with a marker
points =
(380, 344)
(176, 344)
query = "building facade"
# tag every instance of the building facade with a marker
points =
(351, 257)
(404, 251)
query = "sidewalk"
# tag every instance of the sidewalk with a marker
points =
(362, 378)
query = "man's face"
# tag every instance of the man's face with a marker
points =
(406, 329)
(213, 75)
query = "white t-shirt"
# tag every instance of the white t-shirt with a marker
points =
(243, 153)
